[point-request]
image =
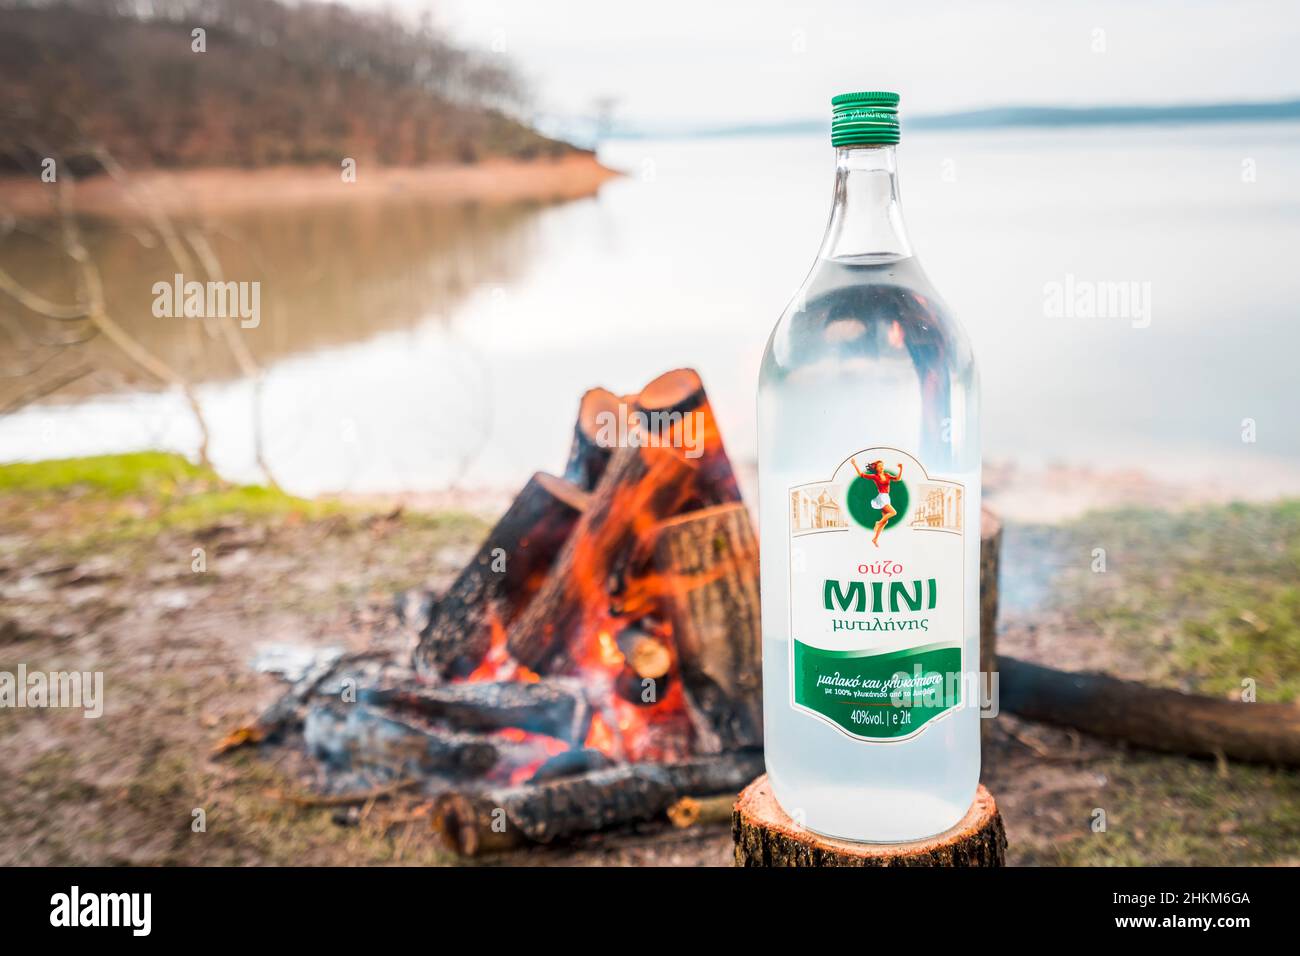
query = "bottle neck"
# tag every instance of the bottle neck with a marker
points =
(866, 219)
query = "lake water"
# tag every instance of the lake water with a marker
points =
(426, 348)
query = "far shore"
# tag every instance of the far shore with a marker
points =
(203, 192)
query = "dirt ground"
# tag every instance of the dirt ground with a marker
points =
(102, 577)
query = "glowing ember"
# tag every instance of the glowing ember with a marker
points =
(607, 651)
(497, 663)
(601, 737)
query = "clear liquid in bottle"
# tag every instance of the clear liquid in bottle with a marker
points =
(869, 486)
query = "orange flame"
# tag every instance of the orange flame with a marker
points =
(618, 588)
(608, 652)
(600, 737)
(497, 663)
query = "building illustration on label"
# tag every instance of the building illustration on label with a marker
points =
(938, 508)
(815, 508)
(877, 607)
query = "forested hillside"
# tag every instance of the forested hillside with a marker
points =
(274, 84)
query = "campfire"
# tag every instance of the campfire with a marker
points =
(597, 661)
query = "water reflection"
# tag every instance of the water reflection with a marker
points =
(330, 276)
(361, 379)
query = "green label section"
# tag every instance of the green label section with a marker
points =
(878, 696)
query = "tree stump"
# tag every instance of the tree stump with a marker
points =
(765, 836)
(990, 553)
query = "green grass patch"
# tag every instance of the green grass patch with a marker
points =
(78, 508)
(145, 493)
(138, 473)
(1170, 811)
(1204, 598)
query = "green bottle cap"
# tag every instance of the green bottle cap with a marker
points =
(864, 119)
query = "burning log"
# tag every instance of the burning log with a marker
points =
(639, 488)
(497, 585)
(588, 575)
(590, 452)
(765, 836)
(646, 663)
(506, 818)
(666, 402)
(553, 706)
(1151, 717)
(708, 563)
(570, 763)
(363, 737)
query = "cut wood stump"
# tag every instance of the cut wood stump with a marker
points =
(990, 555)
(765, 836)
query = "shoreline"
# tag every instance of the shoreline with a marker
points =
(214, 191)
(1054, 494)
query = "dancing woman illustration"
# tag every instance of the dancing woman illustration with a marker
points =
(876, 473)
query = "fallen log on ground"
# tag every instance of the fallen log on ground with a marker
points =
(495, 820)
(1151, 717)
(701, 811)
(720, 773)
(490, 821)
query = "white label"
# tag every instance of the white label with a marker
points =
(877, 596)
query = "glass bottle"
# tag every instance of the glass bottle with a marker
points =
(869, 487)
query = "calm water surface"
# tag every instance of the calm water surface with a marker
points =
(410, 348)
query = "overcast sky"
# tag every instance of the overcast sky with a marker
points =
(700, 62)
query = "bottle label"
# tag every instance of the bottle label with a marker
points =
(877, 596)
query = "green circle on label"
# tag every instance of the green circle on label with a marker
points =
(862, 492)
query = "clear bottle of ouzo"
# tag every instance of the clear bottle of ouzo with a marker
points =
(869, 487)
